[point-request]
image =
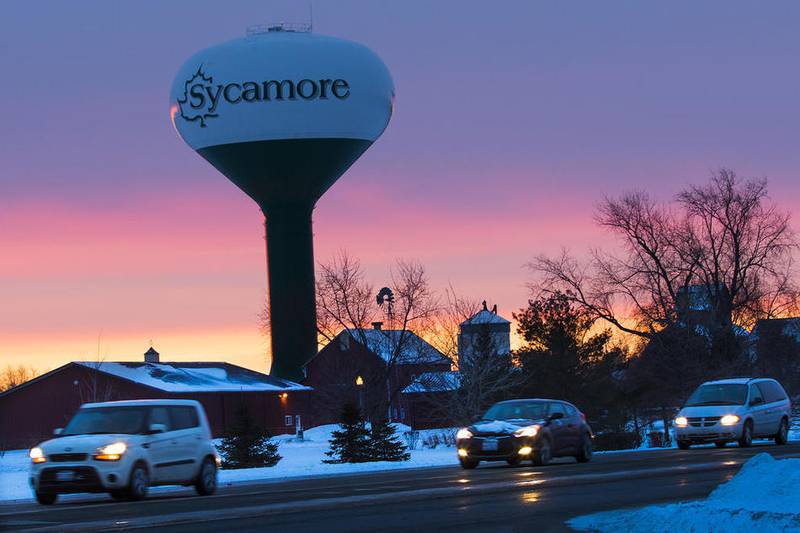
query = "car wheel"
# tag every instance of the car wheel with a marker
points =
(543, 453)
(747, 435)
(206, 482)
(118, 494)
(585, 449)
(720, 444)
(138, 482)
(468, 464)
(46, 498)
(683, 445)
(782, 436)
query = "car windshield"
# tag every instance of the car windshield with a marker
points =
(718, 394)
(99, 420)
(516, 411)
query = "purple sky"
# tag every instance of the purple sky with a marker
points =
(511, 121)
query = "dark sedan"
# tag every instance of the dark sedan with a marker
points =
(516, 430)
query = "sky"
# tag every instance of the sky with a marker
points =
(511, 121)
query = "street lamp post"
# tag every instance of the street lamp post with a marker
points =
(360, 387)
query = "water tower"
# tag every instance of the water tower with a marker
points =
(283, 113)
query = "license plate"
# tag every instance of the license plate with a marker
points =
(490, 445)
(65, 475)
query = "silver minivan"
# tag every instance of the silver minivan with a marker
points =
(737, 409)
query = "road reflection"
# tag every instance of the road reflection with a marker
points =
(529, 497)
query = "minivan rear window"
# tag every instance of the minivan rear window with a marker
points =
(771, 391)
(718, 394)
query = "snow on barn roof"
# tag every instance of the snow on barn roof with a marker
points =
(194, 377)
(434, 382)
(402, 346)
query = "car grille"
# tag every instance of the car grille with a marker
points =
(67, 457)
(704, 422)
(84, 480)
(505, 446)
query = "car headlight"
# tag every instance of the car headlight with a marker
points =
(112, 452)
(37, 455)
(530, 431)
(464, 434)
(729, 420)
(681, 422)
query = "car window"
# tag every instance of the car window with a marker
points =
(755, 393)
(184, 417)
(159, 415)
(571, 410)
(771, 391)
(558, 408)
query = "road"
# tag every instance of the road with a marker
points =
(492, 498)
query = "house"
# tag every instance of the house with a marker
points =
(774, 349)
(30, 411)
(425, 401)
(481, 338)
(484, 323)
(370, 367)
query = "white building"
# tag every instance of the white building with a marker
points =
(484, 322)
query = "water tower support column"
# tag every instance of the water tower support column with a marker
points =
(291, 285)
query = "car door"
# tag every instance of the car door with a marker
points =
(162, 447)
(758, 410)
(188, 437)
(558, 427)
(573, 423)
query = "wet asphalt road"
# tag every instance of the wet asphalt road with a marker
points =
(494, 497)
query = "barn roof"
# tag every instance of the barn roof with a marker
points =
(434, 382)
(404, 346)
(194, 377)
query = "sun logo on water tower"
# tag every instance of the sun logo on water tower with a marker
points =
(189, 111)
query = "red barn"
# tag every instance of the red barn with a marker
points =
(30, 412)
(371, 367)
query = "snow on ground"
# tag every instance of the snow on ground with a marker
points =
(763, 496)
(300, 459)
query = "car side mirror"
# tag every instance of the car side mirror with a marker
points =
(554, 416)
(756, 401)
(58, 431)
(157, 428)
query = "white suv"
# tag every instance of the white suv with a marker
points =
(124, 447)
(738, 409)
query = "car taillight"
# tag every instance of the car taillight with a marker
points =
(583, 416)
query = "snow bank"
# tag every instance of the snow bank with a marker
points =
(763, 496)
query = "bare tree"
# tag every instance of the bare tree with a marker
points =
(687, 279)
(486, 376)
(344, 298)
(94, 387)
(13, 376)
(723, 243)
(444, 332)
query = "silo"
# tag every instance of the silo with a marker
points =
(283, 113)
